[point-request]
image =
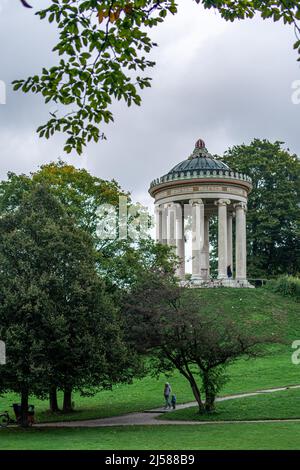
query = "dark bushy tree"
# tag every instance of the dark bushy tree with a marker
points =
(167, 322)
(60, 327)
(273, 217)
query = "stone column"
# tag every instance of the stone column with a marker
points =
(206, 247)
(197, 237)
(222, 237)
(164, 221)
(180, 241)
(240, 247)
(171, 225)
(159, 223)
(229, 241)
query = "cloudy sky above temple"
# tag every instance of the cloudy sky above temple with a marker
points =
(226, 83)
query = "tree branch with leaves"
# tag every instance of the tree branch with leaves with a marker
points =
(103, 51)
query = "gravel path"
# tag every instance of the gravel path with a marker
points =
(149, 417)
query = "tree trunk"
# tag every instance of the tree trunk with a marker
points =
(197, 396)
(24, 409)
(67, 406)
(209, 402)
(53, 400)
(209, 390)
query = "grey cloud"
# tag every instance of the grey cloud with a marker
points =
(227, 87)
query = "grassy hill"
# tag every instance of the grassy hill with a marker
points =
(245, 375)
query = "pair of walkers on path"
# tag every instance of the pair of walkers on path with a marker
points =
(170, 400)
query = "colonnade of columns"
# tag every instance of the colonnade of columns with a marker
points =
(170, 230)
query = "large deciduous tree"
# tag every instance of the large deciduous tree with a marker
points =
(103, 47)
(60, 327)
(273, 217)
(80, 192)
(169, 324)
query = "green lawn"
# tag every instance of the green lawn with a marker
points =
(274, 370)
(277, 405)
(269, 436)
(245, 375)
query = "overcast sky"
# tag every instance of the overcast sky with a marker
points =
(226, 83)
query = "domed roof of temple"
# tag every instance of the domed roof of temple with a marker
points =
(200, 166)
(199, 160)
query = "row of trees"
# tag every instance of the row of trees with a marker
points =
(60, 320)
(80, 313)
(61, 328)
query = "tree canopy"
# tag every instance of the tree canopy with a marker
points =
(60, 326)
(80, 192)
(102, 56)
(119, 261)
(273, 217)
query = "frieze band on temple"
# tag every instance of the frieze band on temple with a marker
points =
(195, 190)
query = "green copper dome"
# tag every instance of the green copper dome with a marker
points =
(199, 160)
(201, 165)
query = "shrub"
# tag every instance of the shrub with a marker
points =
(286, 285)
